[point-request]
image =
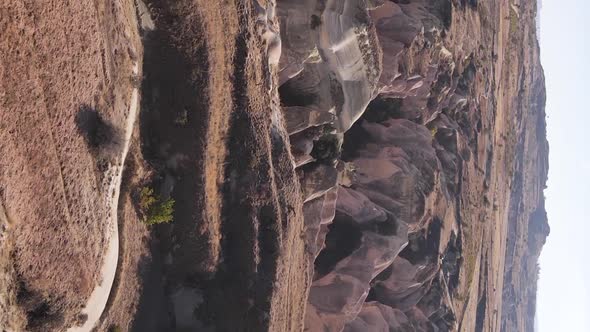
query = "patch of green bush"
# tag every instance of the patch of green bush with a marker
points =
(433, 131)
(156, 210)
(115, 328)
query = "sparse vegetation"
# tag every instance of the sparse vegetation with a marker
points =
(326, 149)
(115, 328)
(433, 131)
(513, 21)
(470, 264)
(81, 319)
(382, 109)
(156, 210)
(181, 118)
(40, 316)
(136, 81)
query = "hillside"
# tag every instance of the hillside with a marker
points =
(319, 165)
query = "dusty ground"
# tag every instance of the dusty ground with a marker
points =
(51, 173)
(514, 121)
(210, 136)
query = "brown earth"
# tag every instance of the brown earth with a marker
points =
(427, 214)
(60, 62)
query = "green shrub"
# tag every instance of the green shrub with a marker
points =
(155, 209)
(433, 131)
(181, 118)
(115, 328)
(326, 148)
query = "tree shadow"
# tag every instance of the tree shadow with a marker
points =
(100, 135)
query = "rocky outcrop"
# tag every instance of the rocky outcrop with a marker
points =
(330, 56)
(412, 89)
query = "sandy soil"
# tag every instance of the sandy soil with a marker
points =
(59, 59)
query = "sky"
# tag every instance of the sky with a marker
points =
(563, 299)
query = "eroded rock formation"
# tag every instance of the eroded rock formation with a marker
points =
(336, 165)
(410, 95)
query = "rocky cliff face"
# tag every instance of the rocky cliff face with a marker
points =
(422, 123)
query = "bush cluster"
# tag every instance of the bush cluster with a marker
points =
(156, 210)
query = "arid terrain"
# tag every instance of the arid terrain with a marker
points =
(271, 165)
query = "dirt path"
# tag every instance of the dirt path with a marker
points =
(100, 295)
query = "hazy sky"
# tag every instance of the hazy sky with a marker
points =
(563, 302)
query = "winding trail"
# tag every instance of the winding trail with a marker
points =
(100, 295)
